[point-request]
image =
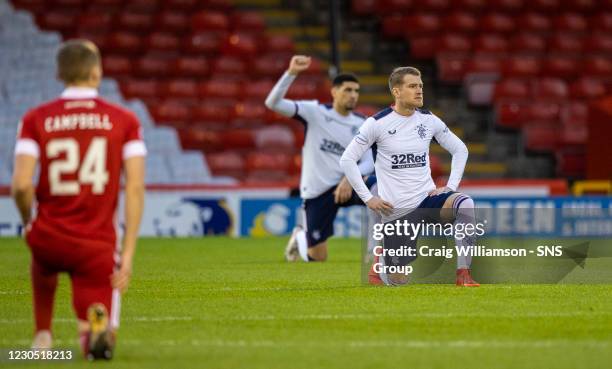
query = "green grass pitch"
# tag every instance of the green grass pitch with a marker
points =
(234, 303)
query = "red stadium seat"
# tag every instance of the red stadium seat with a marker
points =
(192, 67)
(534, 23)
(58, 21)
(527, 43)
(135, 22)
(220, 5)
(238, 138)
(506, 6)
(599, 43)
(179, 88)
(270, 65)
(561, 67)
(248, 21)
(522, 67)
(278, 43)
(182, 5)
(451, 68)
(171, 21)
(598, 67)
(124, 42)
(240, 44)
(204, 43)
(277, 136)
(269, 161)
(484, 65)
(575, 113)
(210, 21)
(545, 6)
(571, 22)
(517, 89)
(160, 41)
(461, 21)
(497, 22)
(33, 6)
(472, 6)
(368, 110)
(229, 65)
(581, 6)
(249, 113)
(439, 6)
(364, 7)
(393, 25)
(540, 137)
(212, 111)
(543, 111)
(510, 114)
(393, 6)
(454, 43)
(550, 89)
(423, 47)
(105, 6)
(303, 89)
(171, 112)
(490, 44)
(72, 4)
(421, 24)
(142, 6)
(258, 90)
(98, 21)
(602, 22)
(226, 163)
(139, 88)
(222, 88)
(116, 65)
(587, 88)
(152, 67)
(565, 43)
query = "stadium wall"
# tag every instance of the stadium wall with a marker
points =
(196, 211)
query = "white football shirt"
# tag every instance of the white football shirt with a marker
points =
(401, 150)
(327, 135)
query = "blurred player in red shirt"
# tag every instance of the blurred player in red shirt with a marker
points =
(82, 143)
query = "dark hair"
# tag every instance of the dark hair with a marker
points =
(397, 76)
(75, 60)
(344, 77)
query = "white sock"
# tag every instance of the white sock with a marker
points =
(465, 213)
(300, 237)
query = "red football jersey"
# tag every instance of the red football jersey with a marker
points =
(81, 141)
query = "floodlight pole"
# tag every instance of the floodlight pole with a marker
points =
(334, 37)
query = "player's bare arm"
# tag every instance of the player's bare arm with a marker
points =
(134, 204)
(22, 188)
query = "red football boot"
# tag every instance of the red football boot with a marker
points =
(373, 277)
(464, 279)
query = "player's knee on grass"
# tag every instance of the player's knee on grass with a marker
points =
(318, 252)
(398, 279)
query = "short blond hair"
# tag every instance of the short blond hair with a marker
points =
(75, 60)
(397, 76)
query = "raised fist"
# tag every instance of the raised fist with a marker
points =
(298, 64)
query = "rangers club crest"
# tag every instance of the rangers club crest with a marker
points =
(422, 131)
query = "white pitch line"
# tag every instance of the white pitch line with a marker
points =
(406, 316)
(133, 319)
(422, 344)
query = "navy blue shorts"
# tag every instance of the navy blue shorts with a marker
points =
(429, 211)
(320, 214)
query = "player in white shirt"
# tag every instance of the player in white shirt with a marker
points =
(329, 129)
(400, 136)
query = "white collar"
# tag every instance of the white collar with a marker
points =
(79, 93)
